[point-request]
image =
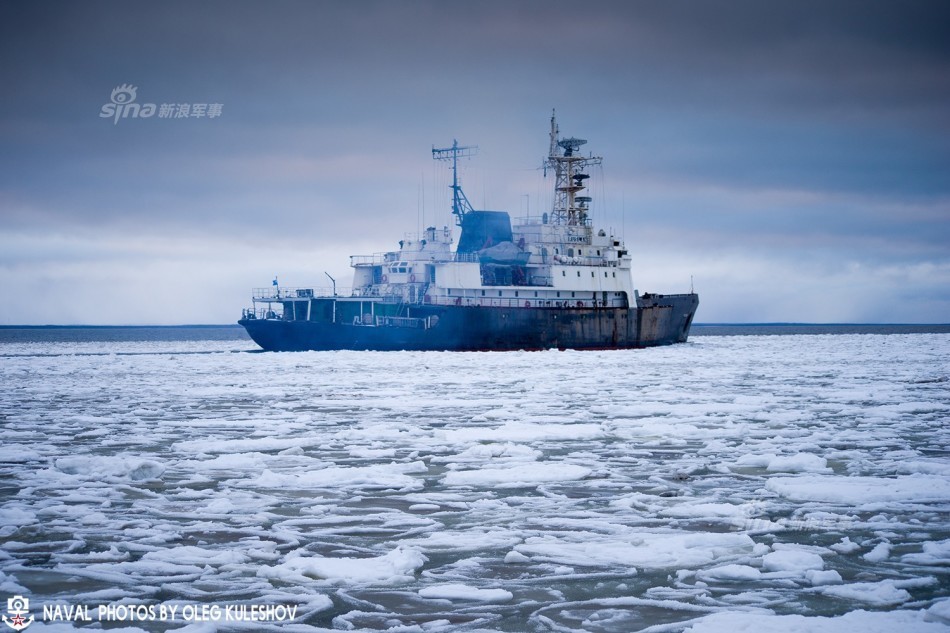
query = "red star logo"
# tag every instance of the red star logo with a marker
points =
(17, 620)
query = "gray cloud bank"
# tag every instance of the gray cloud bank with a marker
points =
(791, 158)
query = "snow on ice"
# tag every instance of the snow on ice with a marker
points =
(743, 483)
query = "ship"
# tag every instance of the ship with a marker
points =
(551, 282)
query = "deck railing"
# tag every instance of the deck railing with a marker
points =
(473, 302)
(383, 259)
(281, 293)
(531, 302)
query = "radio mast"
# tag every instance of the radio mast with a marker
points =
(460, 204)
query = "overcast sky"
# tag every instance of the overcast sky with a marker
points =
(792, 159)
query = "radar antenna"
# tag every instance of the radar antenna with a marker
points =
(460, 204)
(569, 208)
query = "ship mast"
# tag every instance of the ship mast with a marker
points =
(569, 208)
(460, 203)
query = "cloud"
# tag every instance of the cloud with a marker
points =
(756, 140)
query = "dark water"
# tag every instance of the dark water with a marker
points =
(107, 333)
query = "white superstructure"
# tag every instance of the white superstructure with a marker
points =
(557, 260)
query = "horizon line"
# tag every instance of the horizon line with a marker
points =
(25, 326)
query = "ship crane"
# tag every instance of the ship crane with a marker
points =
(460, 203)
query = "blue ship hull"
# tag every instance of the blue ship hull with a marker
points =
(660, 320)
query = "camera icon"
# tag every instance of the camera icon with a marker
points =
(18, 605)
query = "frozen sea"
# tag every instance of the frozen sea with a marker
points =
(770, 481)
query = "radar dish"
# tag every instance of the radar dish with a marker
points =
(571, 145)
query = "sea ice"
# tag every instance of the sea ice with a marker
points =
(517, 476)
(110, 468)
(733, 572)
(864, 621)
(857, 491)
(939, 612)
(465, 592)
(881, 552)
(879, 594)
(394, 567)
(17, 516)
(729, 484)
(794, 561)
(827, 577)
(845, 546)
(933, 553)
(395, 475)
(18, 454)
(521, 432)
(798, 463)
(192, 555)
(646, 550)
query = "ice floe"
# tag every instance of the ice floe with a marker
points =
(394, 567)
(885, 593)
(859, 620)
(465, 592)
(517, 476)
(858, 491)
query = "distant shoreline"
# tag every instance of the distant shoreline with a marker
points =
(721, 329)
(102, 327)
